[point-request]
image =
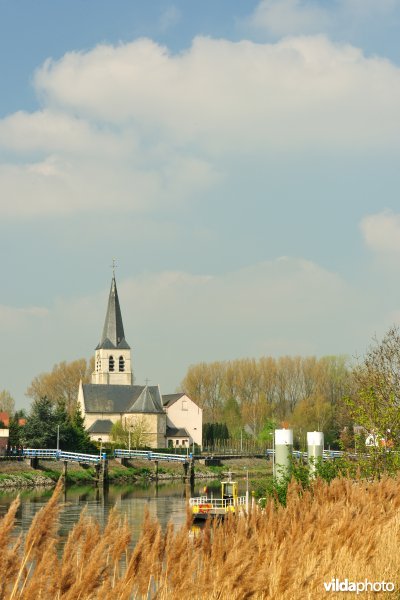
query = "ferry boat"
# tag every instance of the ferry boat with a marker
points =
(204, 507)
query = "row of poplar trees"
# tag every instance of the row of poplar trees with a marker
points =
(249, 395)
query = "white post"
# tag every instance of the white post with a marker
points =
(315, 449)
(283, 452)
(247, 489)
(273, 453)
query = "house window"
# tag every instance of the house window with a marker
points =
(111, 363)
(184, 405)
(177, 442)
(121, 363)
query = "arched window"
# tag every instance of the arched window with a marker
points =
(111, 363)
(98, 365)
(121, 363)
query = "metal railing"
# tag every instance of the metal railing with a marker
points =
(217, 502)
(147, 454)
(61, 455)
(298, 454)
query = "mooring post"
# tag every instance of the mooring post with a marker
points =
(97, 468)
(283, 452)
(34, 462)
(192, 471)
(103, 473)
(185, 470)
(65, 471)
(315, 449)
(156, 469)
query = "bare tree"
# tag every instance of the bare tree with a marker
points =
(7, 403)
(375, 401)
(62, 382)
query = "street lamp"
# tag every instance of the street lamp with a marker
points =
(101, 445)
(273, 452)
(194, 429)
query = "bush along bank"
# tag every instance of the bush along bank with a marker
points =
(25, 480)
(21, 475)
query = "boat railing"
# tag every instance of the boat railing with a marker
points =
(218, 502)
(198, 500)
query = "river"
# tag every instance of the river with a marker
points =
(165, 501)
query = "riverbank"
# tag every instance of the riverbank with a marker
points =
(19, 473)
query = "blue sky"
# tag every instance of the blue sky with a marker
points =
(240, 160)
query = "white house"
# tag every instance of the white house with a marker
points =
(184, 420)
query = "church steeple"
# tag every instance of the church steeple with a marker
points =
(113, 357)
(113, 331)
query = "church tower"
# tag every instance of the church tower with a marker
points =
(113, 355)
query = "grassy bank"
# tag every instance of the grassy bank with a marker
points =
(342, 530)
(19, 473)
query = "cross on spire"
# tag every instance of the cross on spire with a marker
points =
(114, 266)
(147, 380)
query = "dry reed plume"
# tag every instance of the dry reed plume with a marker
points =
(343, 530)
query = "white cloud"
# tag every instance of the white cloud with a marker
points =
(169, 18)
(284, 17)
(298, 17)
(222, 96)
(237, 313)
(136, 128)
(381, 232)
(17, 319)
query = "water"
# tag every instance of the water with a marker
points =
(165, 501)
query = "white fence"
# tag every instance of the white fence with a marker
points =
(147, 454)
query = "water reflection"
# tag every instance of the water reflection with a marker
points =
(165, 501)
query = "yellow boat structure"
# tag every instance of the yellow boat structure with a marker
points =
(204, 507)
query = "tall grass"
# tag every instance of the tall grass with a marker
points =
(341, 530)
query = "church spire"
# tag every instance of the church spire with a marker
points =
(113, 331)
(113, 365)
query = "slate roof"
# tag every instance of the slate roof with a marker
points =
(113, 331)
(169, 399)
(101, 426)
(177, 432)
(99, 398)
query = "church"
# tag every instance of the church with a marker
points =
(172, 420)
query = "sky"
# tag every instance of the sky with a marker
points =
(239, 160)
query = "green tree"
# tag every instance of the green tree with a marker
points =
(119, 435)
(40, 430)
(15, 431)
(83, 443)
(47, 420)
(267, 432)
(135, 428)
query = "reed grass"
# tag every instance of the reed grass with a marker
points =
(345, 529)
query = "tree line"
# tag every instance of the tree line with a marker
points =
(247, 398)
(249, 395)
